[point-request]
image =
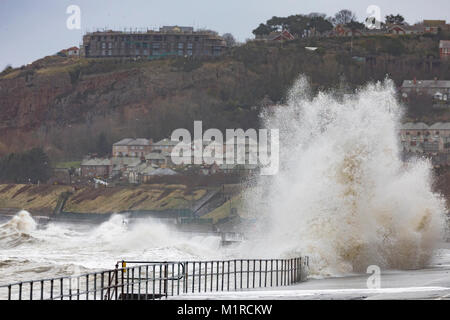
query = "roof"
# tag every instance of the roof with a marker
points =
(444, 44)
(407, 28)
(163, 172)
(424, 126)
(69, 49)
(440, 126)
(128, 161)
(154, 156)
(96, 162)
(147, 170)
(132, 142)
(167, 142)
(426, 84)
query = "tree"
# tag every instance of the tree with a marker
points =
(229, 40)
(397, 19)
(7, 69)
(102, 146)
(355, 25)
(321, 24)
(344, 17)
(262, 29)
(29, 166)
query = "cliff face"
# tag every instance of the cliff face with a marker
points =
(58, 93)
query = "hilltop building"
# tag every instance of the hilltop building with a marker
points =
(168, 41)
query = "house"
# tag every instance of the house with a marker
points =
(276, 36)
(96, 167)
(156, 158)
(421, 138)
(129, 147)
(405, 29)
(163, 172)
(121, 164)
(434, 26)
(438, 89)
(444, 49)
(73, 51)
(166, 145)
(342, 31)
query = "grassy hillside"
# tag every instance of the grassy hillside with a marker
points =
(43, 199)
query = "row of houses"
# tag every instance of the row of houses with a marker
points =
(438, 90)
(138, 160)
(146, 148)
(432, 141)
(427, 27)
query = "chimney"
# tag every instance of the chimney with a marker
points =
(415, 80)
(435, 80)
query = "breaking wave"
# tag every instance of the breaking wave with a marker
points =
(28, 252)
(17, 230)
(343, 196)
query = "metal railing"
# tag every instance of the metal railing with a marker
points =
(146, 280)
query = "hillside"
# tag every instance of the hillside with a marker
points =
(64, 104)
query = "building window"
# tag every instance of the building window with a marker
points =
(189, 45)
(180, 52)
(180, 45)
(189, 52)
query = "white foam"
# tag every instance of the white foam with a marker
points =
(343, 196)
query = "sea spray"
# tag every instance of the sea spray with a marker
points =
(342, 195)
(28, 252)
(18, 230)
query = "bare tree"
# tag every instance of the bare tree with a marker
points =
(229, 39)
(343, 17)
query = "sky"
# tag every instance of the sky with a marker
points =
(31, 29)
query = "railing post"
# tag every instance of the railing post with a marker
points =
(166, 289)
(193, 277)
(116, 287)
(139, 283)
(87, 287)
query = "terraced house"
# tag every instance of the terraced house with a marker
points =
(429, 140)
(168, 41)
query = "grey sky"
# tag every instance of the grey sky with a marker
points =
(32, 29)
